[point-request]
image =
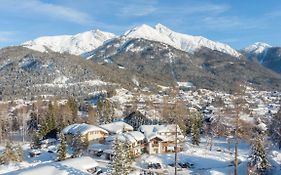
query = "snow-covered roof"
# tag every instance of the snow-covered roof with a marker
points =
(117, 127)
(131, 137)
(82, 163)
(262, 126)
(81, 128)
(161, 131)
(78, 165)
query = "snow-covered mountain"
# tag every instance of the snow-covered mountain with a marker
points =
(257, 48)
(180, 41)
(265, 54)
(84, 42)
(73, 44)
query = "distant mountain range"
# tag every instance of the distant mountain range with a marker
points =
(143, 57)
(87, 41)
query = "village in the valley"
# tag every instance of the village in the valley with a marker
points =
(190, 132)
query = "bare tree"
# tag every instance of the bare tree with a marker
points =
(175, 113)
(240, 130)
(92, 115)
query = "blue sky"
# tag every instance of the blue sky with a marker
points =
(235, 22)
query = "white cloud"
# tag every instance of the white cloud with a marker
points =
(7, 36)
(221, 22)
(3, 39)
(138, 8)
(37, 7)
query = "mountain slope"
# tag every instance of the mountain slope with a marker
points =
(28, 73)
(165, 65)
(184, 42)
(73, 44)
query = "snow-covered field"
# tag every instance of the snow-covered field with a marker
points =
(218, 161)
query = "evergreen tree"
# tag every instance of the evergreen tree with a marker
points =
(105, 111)
(44, 129)
(79, 144)
(19, 153)
(128, 157)
(121, 163)
(35, 140)
(8, 154)
(62, 148)
(51, 119)
(116, 161)
(15, 124)
(32, 123)
(196, 124)
(11, 153)
(72, 104)
(258, 161)
(92, 116)
(275, 129)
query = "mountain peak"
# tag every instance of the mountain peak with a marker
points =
(257, 48)
(73, 44)
(184, 42)
(161, 28)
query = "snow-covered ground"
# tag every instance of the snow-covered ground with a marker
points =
(218, 161)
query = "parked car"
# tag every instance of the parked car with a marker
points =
(186, 164)
(34, 152)
(154, 166)
(177, 165)
(95, 171)
(52, 149)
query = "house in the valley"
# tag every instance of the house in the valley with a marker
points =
(89, 133)
(117, 127)
(162, 138)
(134, 139)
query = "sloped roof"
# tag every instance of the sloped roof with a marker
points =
(131, 137)
(152, 131)
(81, 128)
(117, 127)
(71, 166)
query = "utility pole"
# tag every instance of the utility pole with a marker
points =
(176, 149)
(236, 144)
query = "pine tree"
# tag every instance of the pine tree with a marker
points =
(73, 106)
(32, 123)
(121, 163)
(276, 129)
(79, 144)
(62, 148)
(105, 111)
(51, 119)
(35, 139)
(8, 153)
(128, 157)
(19, 153)
(196, 124)
(117, 167)
(258, 163)
(92, 116)
(11, 153)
